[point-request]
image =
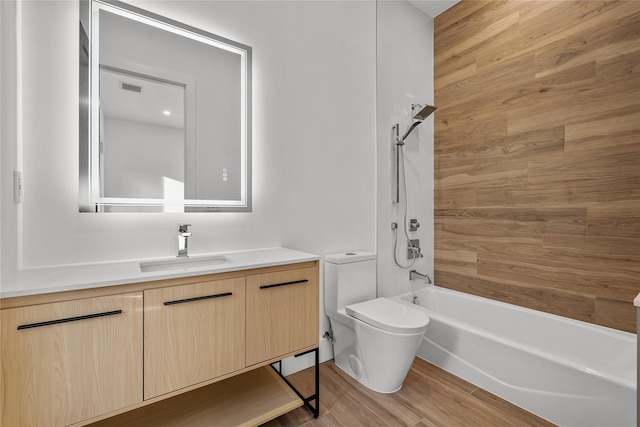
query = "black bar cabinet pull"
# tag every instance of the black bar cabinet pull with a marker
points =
(283, 284)
(180, 301)
(69, 319)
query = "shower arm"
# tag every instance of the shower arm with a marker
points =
(409, 130)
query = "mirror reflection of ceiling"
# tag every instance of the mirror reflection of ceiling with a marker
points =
(143, 50)
(127, 97)
(135, 46)
(164, 93)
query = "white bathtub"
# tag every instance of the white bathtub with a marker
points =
(569, 372)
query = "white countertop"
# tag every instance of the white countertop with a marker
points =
(33, 281)
(636, 301)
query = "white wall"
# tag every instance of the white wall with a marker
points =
(404, 76)
(313, 137)
(10, 154)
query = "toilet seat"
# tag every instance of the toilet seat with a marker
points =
(390, 316)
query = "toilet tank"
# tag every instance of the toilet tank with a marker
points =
(349, 277)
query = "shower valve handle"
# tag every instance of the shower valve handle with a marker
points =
(414, 225)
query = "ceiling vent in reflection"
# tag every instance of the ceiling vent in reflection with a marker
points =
(130, 87)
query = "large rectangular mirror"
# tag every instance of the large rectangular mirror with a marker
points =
(169, 121)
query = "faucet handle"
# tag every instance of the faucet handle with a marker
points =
(183, 228)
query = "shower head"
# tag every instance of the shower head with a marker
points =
(424, 112)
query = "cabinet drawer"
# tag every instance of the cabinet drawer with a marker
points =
(282, 313)
(192, 333)
(66, 362)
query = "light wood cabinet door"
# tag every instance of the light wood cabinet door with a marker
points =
(69, 361)
(192, 333)
(282, 313)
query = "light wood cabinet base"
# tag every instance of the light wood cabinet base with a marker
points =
(53, 356)
(249, 399)
(186, 341)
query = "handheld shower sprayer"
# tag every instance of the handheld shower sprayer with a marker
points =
(424, 112)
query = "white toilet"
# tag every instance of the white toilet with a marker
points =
(375, 339)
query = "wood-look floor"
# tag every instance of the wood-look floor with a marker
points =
(429, 397)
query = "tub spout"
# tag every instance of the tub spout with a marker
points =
(413, 274)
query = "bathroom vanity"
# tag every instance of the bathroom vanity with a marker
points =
(80, 349)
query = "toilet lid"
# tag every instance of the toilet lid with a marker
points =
(391, 316)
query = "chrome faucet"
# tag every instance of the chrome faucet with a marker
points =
(183, 238)
(413, 274)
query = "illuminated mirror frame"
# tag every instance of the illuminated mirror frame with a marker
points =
(90, 194)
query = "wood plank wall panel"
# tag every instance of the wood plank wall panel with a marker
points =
(537, 155)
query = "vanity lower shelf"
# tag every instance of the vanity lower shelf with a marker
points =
(249, 399)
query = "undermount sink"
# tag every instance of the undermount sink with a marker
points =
(183, 263)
